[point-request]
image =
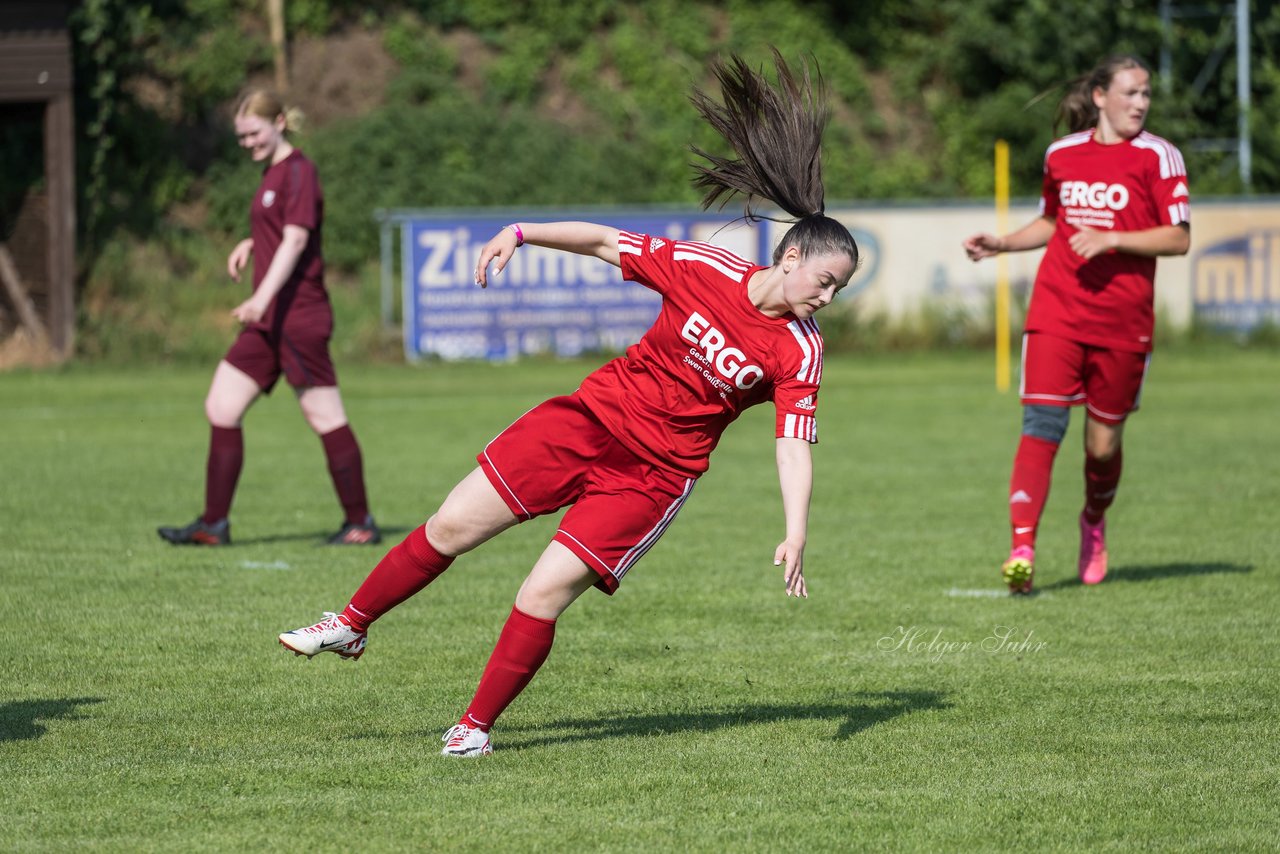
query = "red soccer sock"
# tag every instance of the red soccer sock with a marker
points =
(1029, 487)
(222, 471)
(1101, 477)
(346, 467)
(402, 572)
(522, 647)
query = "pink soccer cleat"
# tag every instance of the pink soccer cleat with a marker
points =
(1019, 569)
(1093, 550)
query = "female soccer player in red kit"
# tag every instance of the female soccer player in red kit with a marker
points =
(1115, 198)
(626, 448)
(286, 324)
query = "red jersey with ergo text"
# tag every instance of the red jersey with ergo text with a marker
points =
(709, 356)
(289, 195)
(1134, 185)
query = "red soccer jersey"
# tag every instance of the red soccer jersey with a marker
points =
(708, 356)
(289, 195)
(1129, 186)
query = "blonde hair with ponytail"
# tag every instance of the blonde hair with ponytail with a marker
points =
(266, 104)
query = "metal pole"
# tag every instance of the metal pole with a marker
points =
(1166, 38)
(384, 239)
(1002, 267)
(1242, 92)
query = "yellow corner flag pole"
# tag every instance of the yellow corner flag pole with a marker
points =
(1002, 267)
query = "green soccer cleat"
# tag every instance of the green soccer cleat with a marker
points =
(1019, 569)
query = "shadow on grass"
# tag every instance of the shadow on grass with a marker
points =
(18, 719)
(1156, 572)
(863, 711)
(389, 533)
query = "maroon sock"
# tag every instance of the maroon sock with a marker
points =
(1101, 477)
(222, 471)
(1029, 487)
(402, 572)
(346, 467)
(523, 645)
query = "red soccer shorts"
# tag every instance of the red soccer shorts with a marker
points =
(1060, 372)
(299, 349)
(558, 454)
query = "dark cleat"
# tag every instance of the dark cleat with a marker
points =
(199, 533)
(351, 534)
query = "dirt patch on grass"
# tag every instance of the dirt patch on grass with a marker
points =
(343, 75)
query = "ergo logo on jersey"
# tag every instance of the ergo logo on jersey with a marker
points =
(1081, 194)
(728, 360)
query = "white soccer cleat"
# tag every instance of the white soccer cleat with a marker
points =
(463, 740)
(332, 634)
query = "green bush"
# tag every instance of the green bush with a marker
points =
(920, 90)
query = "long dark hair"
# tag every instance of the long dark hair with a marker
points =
(776, 134)
(1077, 110)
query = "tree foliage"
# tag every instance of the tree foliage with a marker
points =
(585, 101)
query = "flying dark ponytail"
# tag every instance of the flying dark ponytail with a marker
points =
(776, 133)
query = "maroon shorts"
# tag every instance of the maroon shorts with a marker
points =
(558, 454)
(299, 349)
(1061, 372)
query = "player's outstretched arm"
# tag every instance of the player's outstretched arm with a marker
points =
(795, 475)
(1033, 235)
(582, 238)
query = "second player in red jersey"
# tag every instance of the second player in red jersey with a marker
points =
(623, 452)
(1114, 198)
(1130, 186)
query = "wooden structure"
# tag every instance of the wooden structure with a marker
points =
(37, 257)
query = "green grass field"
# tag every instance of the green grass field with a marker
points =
(907, 705)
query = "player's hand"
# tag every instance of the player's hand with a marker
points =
(981, 246)
(500, 248)
(1090, 243)
(249, 311)
(239, 257)
(791, 557)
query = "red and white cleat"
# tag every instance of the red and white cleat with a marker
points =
(332, 634)
(463, 740)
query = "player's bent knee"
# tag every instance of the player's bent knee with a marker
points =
(1045, 422)
(1102, 447)
(220, 415)
(450, 536)
(323, 425)
(548, 598)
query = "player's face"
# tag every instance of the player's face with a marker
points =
(1122, 106)
(259, 136)
(813, 282)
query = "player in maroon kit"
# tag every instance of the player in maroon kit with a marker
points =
(623, 452)
(1115, 198)
(286, 323)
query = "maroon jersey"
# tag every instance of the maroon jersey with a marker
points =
(709, 356)
(1133, 185)
(289, 195)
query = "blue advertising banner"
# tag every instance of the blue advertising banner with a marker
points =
(545, 301)
(1237, 280)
